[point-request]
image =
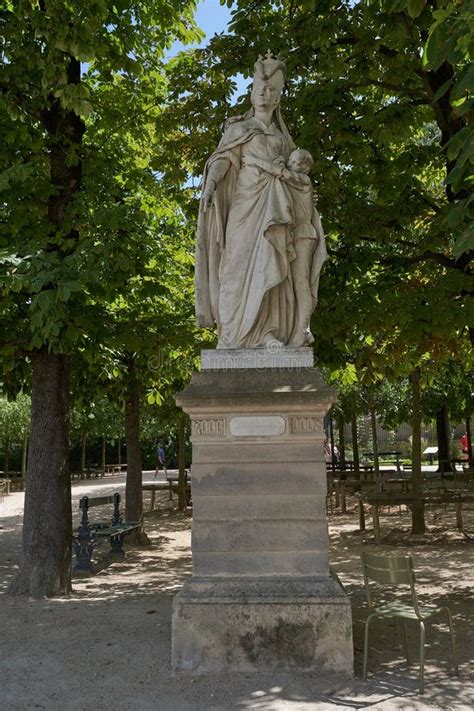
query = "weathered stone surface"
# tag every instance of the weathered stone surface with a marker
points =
(241, 564)
(251, 536)
(246, 358)
(309, 589)
(258, 390)
(261, 596)
(248, 479)
(244, 451)
(260, 506)
(259, 625)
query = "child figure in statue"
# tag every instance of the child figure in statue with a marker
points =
(306, 234)
(305, 239)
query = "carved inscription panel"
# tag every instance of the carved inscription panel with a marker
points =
(208, 428)
(306, 425)
(257, 426)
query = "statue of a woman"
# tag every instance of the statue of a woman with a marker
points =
(244, 283)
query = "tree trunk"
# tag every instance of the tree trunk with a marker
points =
(104, 455)
(342, 444)
(6, 454)
(133, 485)
(119, 451)
(355, 442)
(418, 511)
(24, 453)
(331, 438)
(375, 441)
(45, 565)
(181, 473)
(83, 452)
(443, 435)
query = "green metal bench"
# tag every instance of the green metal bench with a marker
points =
(395, 570)
(87, 535)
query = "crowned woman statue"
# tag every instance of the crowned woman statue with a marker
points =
(245, 246)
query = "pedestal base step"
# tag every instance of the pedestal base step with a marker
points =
(262, 625)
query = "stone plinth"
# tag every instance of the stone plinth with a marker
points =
(261, 596)
(256, 358)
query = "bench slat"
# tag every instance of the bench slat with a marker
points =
(115, 530)
(97, 501)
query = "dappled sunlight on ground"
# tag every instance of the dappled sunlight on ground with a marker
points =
(107, 645)
(444, 564)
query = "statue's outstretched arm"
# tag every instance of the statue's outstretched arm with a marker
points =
(296, 180)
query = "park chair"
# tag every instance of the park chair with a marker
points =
(397, 570)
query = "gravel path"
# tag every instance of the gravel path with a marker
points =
(107, 646)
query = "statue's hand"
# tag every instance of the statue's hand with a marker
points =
(207, 197)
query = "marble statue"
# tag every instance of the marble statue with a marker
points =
(260, 243)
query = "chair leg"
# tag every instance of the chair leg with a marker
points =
(366, 647)
(422, 656)
(453, 642)
(403, 629)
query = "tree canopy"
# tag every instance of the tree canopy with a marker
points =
(104, 139)
(383, 103)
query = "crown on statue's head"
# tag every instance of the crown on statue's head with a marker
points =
(270, 70)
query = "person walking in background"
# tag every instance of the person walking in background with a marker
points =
(327, 450)
(160, 460)
(331, 454)
(464, 442)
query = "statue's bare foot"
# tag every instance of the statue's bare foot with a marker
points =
(308, 338)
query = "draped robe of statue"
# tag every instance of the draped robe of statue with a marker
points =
(244, 246)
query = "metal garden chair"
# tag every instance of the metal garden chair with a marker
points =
(398, 570)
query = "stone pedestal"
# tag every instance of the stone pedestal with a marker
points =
(261, 596)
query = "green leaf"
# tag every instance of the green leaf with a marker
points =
(416, 7)
(443, 89)
(435, 50)
(457, 213)
(465, 242)
(349, 374)
(465, 84)
(462, 138)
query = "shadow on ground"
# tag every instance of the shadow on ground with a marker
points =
(108, 645)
